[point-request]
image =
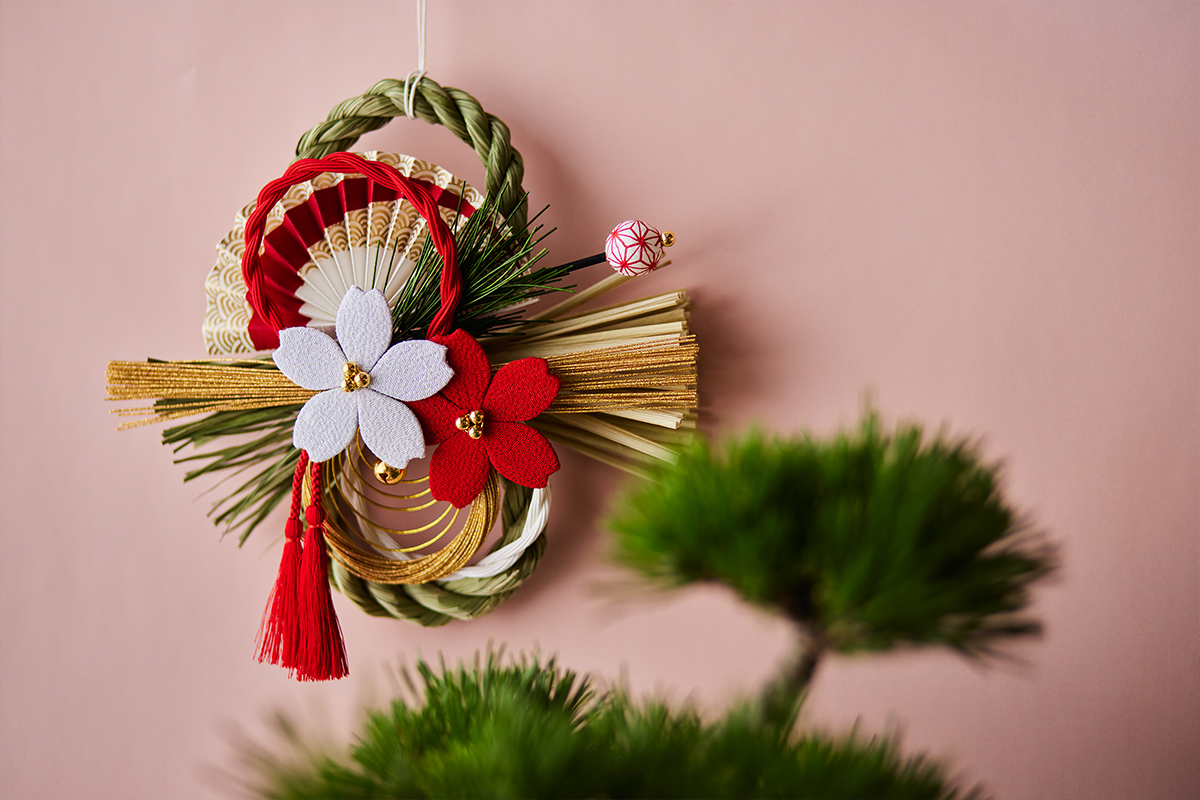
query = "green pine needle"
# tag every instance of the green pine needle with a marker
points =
(529, 729)
(495, 262)
(867, 540)
(264, 439)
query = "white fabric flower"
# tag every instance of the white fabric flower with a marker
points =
(363, 382)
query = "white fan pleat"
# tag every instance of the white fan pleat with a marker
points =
(375, 247)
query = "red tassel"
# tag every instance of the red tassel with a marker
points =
(322, 653)
(278, 631)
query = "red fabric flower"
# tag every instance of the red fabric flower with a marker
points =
(478, 426)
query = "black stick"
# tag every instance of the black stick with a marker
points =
(571, 266)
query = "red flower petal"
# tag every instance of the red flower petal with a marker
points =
(519, 453)
(437, 416)
(520, 390)
(458, 470)
(471, 370)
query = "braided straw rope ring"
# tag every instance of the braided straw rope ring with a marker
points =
(430, 596)
(438, 105)
(523, 517)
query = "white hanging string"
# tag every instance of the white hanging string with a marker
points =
(414, 77)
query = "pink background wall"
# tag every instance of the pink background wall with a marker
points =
(982, 214)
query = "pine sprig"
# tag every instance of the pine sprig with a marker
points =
(495, 262)
(267, 434)
(867, 540)
(528, 729)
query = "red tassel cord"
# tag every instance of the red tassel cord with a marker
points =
(322, 653)
(278, 632)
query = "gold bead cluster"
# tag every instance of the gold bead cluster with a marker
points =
(471, 423)
(354, 378)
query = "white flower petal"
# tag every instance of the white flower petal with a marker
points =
(364, 326)
(309, 358)
(326, 424)
(389, 428)
(412, 370)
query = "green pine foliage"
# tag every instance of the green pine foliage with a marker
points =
(496, 264)
(867, 541)
(529, 729)
(260, 438)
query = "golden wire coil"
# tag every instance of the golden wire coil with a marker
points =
(373, 567)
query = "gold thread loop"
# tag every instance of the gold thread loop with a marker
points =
(380, 569)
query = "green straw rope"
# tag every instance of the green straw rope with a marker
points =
(438, 105)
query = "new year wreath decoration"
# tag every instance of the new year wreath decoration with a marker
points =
(366, 307)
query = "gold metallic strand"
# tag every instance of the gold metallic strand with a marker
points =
(347, 462)
(384, 506)
(450, 510)
(380, 569)
(391, 496)
(187, 388)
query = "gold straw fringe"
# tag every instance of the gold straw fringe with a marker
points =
(142, 380)
(186, 388)
(635, 362)
(655, 376)
(168, 413)
(613, 401)
(679, 351)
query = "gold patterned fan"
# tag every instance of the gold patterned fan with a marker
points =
(323, 237)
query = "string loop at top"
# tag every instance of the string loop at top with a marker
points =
(414, 77)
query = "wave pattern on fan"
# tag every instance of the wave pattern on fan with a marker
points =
(324, 236)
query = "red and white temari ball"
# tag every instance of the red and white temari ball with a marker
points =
(633, 248)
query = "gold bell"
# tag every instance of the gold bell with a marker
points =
(388, 474)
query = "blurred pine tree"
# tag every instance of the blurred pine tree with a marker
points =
(866, 542)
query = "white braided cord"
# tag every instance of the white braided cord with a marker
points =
(536, 516)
